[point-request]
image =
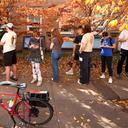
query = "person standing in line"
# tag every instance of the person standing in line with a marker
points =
(35, 58)
(123, 39)
(76, 48)
(107, 44)
(86, 47)
(9, 50)
(55, 46)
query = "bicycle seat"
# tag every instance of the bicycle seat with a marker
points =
(22, 86)
(7, 83)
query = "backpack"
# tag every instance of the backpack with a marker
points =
(110, 38)
(118, 45)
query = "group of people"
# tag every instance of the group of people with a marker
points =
(82, 52)
(35, 56)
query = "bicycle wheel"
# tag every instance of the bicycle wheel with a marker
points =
(36, 113)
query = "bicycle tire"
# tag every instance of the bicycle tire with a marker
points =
(42, 103)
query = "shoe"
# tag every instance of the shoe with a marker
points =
(13, 78)
(102, 76)
(70, 72)
(39, 83)
(81, 83)
(11, 73)
(54, 80)
(33, 81)
(110, 80)
(4, 73)
(119, 76)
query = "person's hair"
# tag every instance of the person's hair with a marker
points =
(12, 28)
(80, 27)
(104, 34)
(87, 29)
(36, 34)
(55, 33)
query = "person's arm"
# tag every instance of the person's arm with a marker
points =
(113, 46)
(101, 43)
(74, 49)
(121, 40)
(51, 45)
(3, 39)
(122, 37)
(30, 43)
(83, 44)
(35, 46)
(14, 38)
(74, 46)
(1, 43)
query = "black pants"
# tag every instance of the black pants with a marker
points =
(123, 57)
(85, 63)
(106, 60)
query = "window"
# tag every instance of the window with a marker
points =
(33, 20)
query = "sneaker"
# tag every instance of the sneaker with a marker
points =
(33, 81)
(4, 73)
(110, 80)
(81, 83)
(13, 78)
(39, 83)
(119, 76)
(70, 72)
(11, 73)
(54, 80)
(102, 76)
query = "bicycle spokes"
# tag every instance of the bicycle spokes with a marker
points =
(37, 114)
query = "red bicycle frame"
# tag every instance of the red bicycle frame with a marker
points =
(17, 98)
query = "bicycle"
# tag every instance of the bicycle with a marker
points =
(32, 108)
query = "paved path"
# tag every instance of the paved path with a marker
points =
(78, 106)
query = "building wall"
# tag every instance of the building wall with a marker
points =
(22, 28)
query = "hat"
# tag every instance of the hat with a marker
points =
(9, 25)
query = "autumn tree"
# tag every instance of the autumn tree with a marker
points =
(96, 12)
(18, 11)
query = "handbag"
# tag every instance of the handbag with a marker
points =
(41, 51)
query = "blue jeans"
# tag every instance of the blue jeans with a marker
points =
(55, 56)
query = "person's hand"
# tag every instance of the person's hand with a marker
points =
(101, 46)
(73, 54)
(31, 46)
(80, 51)
(107, 46)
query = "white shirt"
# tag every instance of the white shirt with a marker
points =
(87, 42)
(124, 36)
(9, 40)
